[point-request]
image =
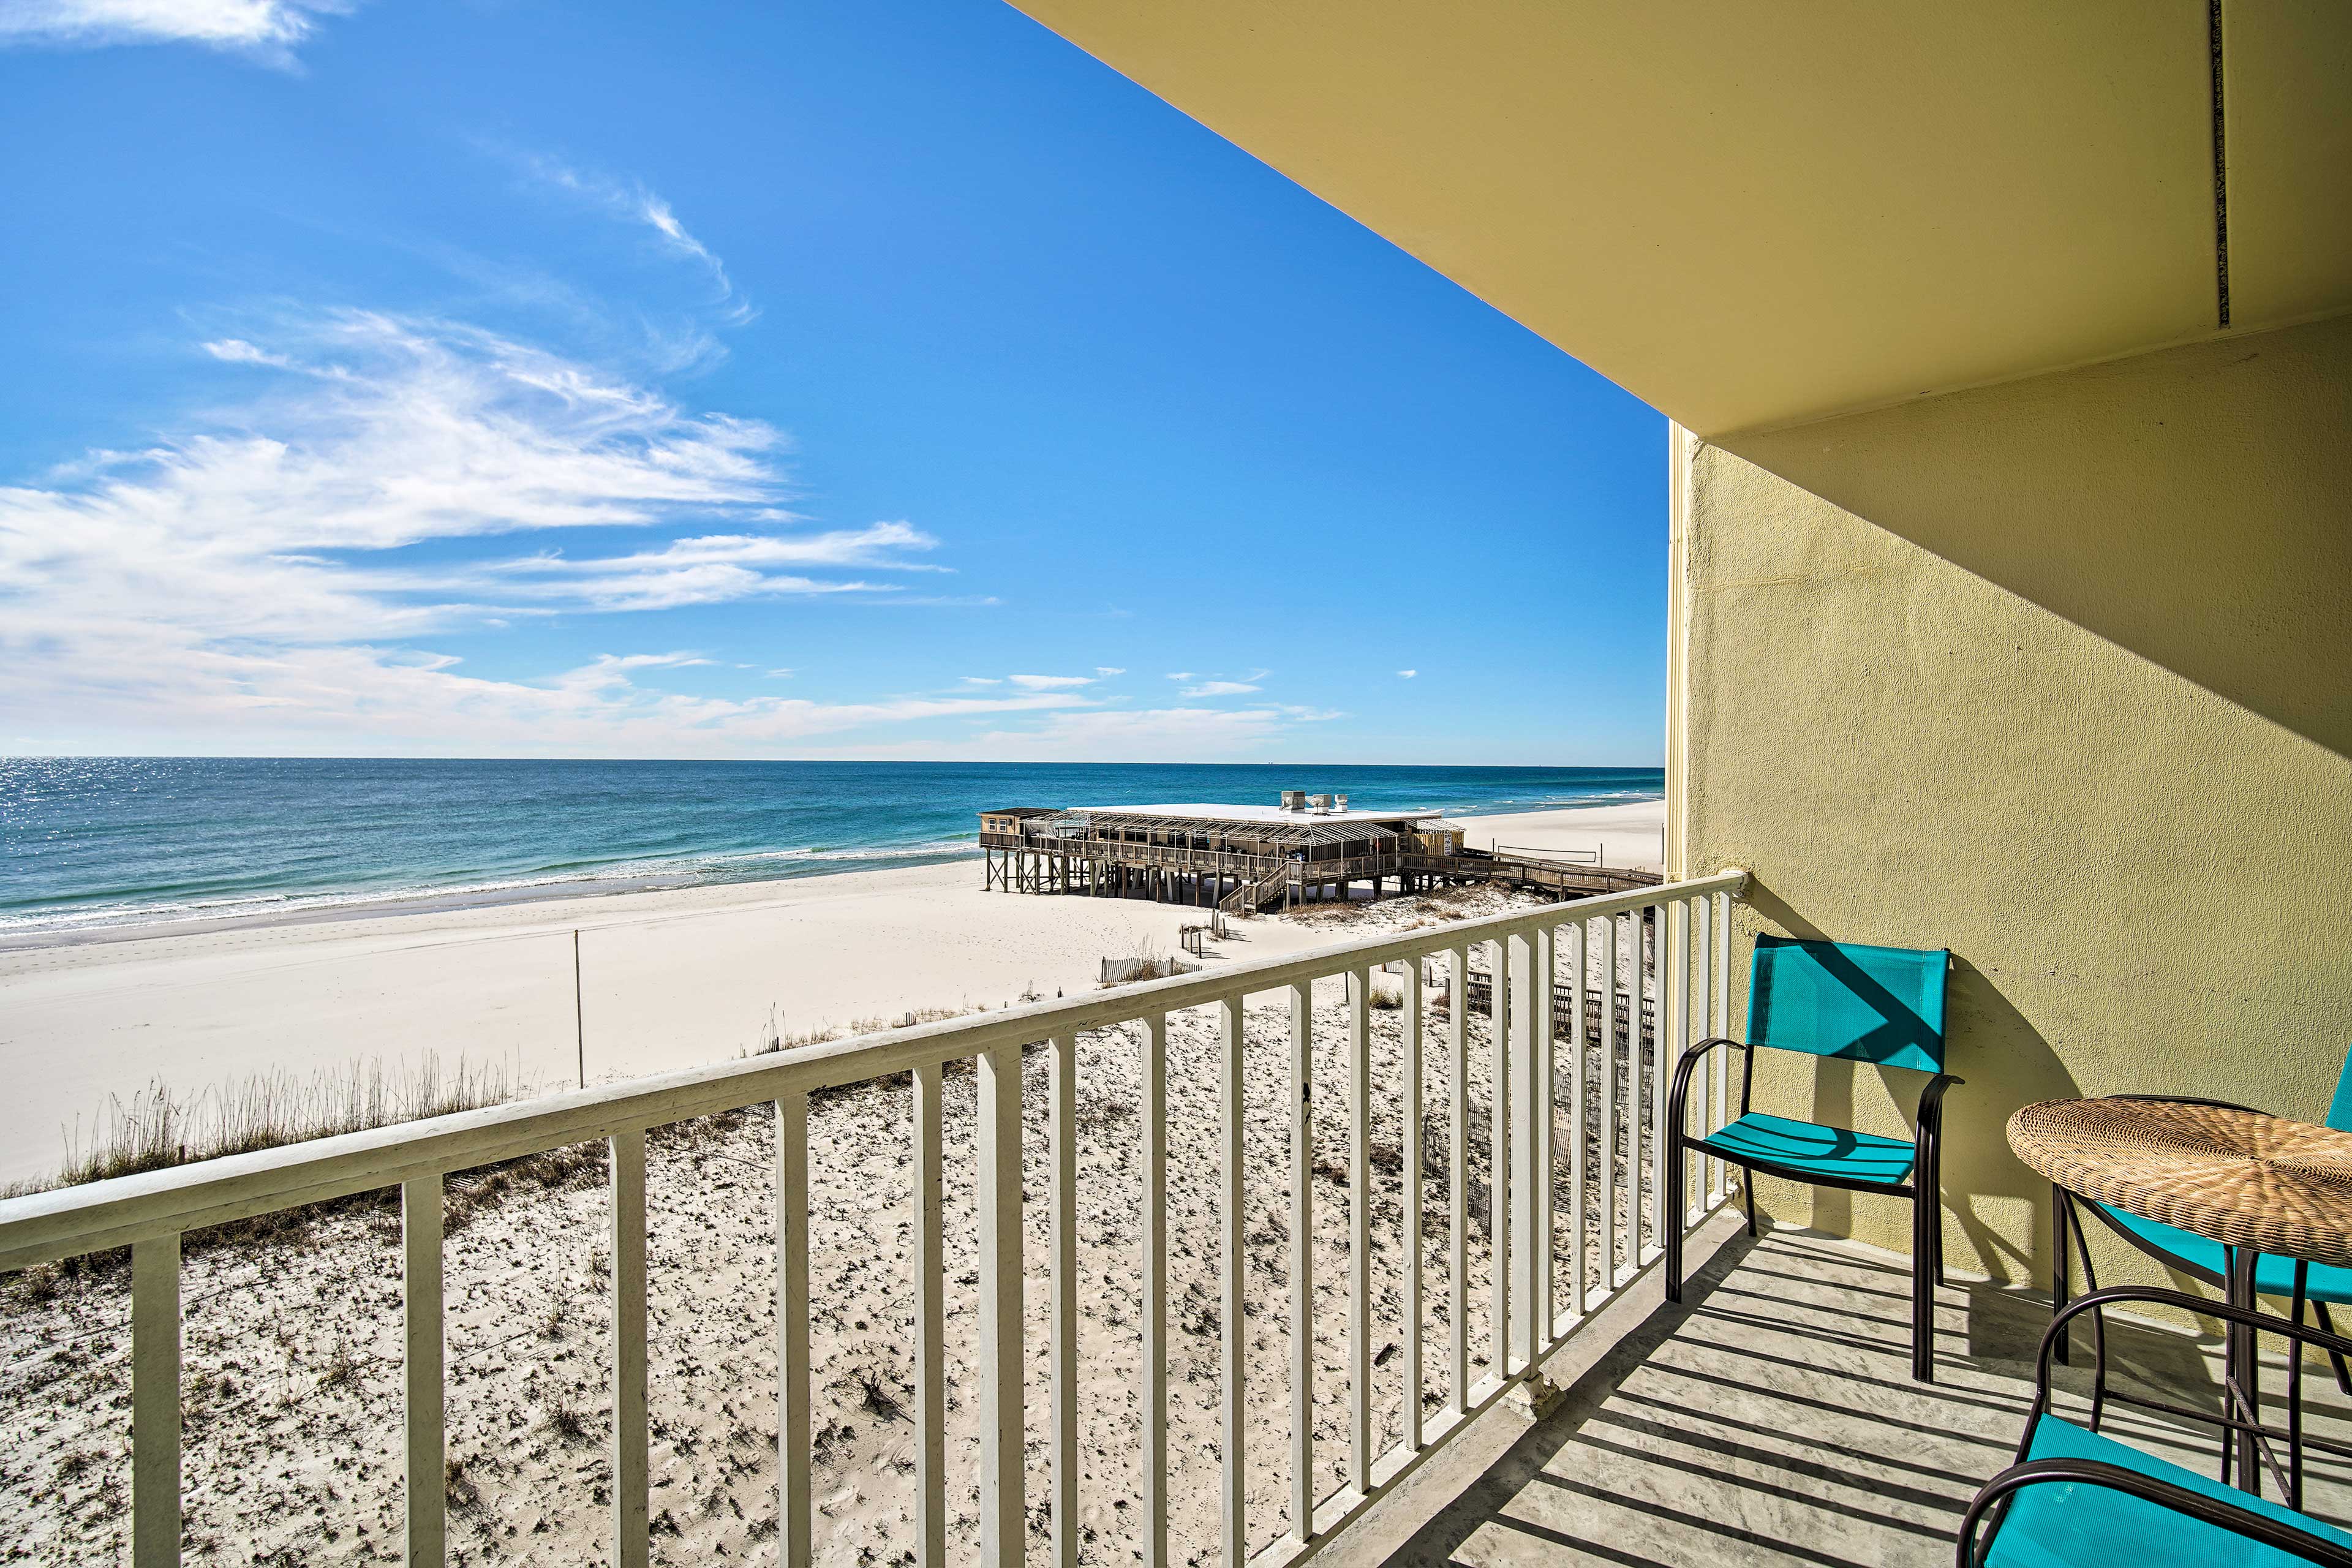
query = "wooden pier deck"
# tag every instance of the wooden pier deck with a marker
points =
(1239, 882)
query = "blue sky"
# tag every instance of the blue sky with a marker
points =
(509, 378)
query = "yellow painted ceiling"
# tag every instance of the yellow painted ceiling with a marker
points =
(1751, 215)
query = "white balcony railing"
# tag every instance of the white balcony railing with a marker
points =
(1667, 943)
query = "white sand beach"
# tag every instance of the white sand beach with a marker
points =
(669, 979)
(294, 1349)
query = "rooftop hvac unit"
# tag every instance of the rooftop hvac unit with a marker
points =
(1338, 802)
(1293, 800)
(1321, 802)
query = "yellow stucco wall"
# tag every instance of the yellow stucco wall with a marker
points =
(2056, 674)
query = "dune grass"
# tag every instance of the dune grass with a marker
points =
(161, 1126)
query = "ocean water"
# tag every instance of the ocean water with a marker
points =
(108, 841)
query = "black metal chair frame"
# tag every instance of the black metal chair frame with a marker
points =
(2066, 1225)
(1926, 1165)
(1989, 1509)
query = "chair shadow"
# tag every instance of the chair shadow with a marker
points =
(2007, 1063)
(1726, 1450)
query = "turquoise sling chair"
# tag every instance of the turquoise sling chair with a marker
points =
(1878, 1005)
(2075, 1499)
(2204, 1260)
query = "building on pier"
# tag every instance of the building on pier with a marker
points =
(1242, 859)
(1238, 858)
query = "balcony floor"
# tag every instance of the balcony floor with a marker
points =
(1771, 1418)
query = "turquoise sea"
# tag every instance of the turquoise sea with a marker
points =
(88, 842)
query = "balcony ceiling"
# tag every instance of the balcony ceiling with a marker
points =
(1751, 216)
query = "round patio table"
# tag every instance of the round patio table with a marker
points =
(2253, 1181)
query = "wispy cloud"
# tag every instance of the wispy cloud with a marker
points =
(1219, 688)
(1106, 671)
(1407, 674)
(631, 202)
(708, 569)
(266, 29)
(1143, 735)
(260, 575)
(1051, 682)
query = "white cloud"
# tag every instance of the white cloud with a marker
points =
(1155, 734)
(1407, 674)
(1218, 688)
(268, 30)
(267, 582)
(1181, 675)
(632, 202)
(254, 583)
(708, 569)
(236, 351)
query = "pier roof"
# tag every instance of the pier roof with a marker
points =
(1264, 822)
(1267, 813)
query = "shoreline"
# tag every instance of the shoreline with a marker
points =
(336, 908)
(672, 977)
(395, 906)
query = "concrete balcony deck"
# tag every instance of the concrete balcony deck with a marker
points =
(1771, 1419)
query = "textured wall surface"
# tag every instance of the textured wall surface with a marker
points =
(2058, 674)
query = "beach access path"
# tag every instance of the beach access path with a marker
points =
(667, 979)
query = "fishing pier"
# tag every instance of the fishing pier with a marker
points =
(1244, 859)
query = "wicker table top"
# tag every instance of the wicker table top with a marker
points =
(2237, 1176)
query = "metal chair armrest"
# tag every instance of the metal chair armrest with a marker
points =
(1931, 1119)
(1684, 1066)
(1931, 1099)
(2223, 1515)
(2178, 1300)
(1683, 1075)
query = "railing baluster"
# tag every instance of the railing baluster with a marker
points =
(1360, 1230)
(1062, 1065)
(425, 1469)
(1155, 1291)
(1540, 1315)
(1722, 1106)
(1521, 1173)
(1302, 1260)
(1673, 951)
(1702, 970)
(930, 1313)
(1608, 1108)
(1457, 1182)
(1582, 931)
(1645, 1110)
(1411, 1113)
(1702, 1013)
(1003, 1519)
(631, 1537)
(1499, 1169)
(1229, 1093)
(1636, 1055)
(155, 1403)
(792, 1330)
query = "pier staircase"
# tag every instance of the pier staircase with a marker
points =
(1251, 897)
